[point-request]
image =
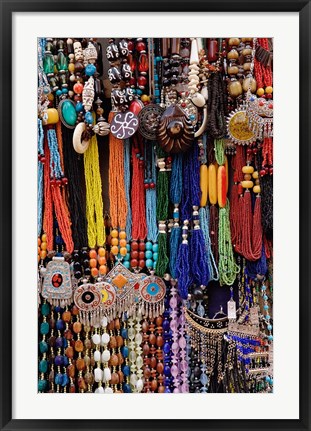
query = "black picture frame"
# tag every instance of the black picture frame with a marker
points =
(6, 316)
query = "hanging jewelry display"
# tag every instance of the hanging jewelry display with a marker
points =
(57, 287)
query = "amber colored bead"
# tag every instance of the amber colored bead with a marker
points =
(114, 241)
(160, 367)
(159, 321)
(66, 316)
(75, 310)
(93, 263)
(145, 326)
(160, 341)
(114, 249)
(71, 370)
(43, 254)
(69, 352)
(114, 378)
(122, 242)
(72, 389)
(102, 260)
(80, 364)
(120, 341)
(101, 252)
(152, 339)
(146, 339)
(94, 272)
(134, 245)
(77, 327)
(154, 385)
(92, 362)
(121, 376)
(79, 346)
(114, 360)
(114, 233)
(103, 269)
(87, 360)
(153, 362)
(122, 234)
(113, 342)
(81, 383)
(117, 324)
(161, 389)
(93, 254)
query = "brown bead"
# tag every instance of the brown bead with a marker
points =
(154, 385)
(52, 323)
(161, 389)
(159, 321)
(87, 343)
(153, 362)
(121, 376)
(146, 338)
(77, 327)
(145, 326)
(87, 360)
(114, 378)
(75, 310)
(120, 358)
(72, 389)
(89, 378)
(119, 340)
(147, 373)
(92, 361)
(160, 367)
(114, 360)
(160, 341)
(117, 324)
(81, 383)
(79, 346)
(152, 339)
(146, 349)
(80, 364)
(66, 316)
(69, 352)
(110, 326)
(68, 334)
(113, 342)
(71, 370)
(51, 376)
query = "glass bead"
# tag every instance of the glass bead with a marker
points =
(138, 338)
(149, 263)
(148, 254)
(44, 328)
(132, 356)
(43, 366)
(155, 248)
(60, 325)
(124, 333)
(139, 362)
(127, 388)
(125, 351)
(45, 309)
(126, 370)
(155, 256)
(42, 385)
(148, 245)
(58, 379)
(43, 346)
(269, 327)
(126, 264)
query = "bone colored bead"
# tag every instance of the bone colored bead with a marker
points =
(194, 78)
(139, 385)
(98, 374)
(104, 322)
(96, 338)
(204, 92)
(247, 184)
(194, 67)
(193, 72)
(247, 169)
(107, 374)
(194, 56)
(99, 390)
(97, 355)
(105, 356)
(105, 338)
(198, 100)
(108, 390)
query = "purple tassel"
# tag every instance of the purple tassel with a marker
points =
(183, 270)
(199, 263)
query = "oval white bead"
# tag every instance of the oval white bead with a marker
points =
(97, 355)
(98, 374)
(105, 356)
(104, 321)
(139, 385)
(105, 338)
(96, 338)
(107, 374)
(99, 390)
(108, 391)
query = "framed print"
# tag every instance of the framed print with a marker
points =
(156, 155)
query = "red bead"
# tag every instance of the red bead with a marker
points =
(141, 263)
(134, 245)
(183, 105)
(255, 151)
(249, 151)
(141, 46)
(141, 163)
(64, 181)
(78, 88)
(270, 106)
(152, 185)
(130, 45)
(169, 159)
(261, 103)
(141, 255)
(142, 246)
(53, 182)
(240, 189)
(146, 185)
(58, 183)
(270, 171)
(266, 169)
(133, 81)
(268, 96)
(142, 80)
(134, 254)
(42, 160)
(262, 173)
(134, 263)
